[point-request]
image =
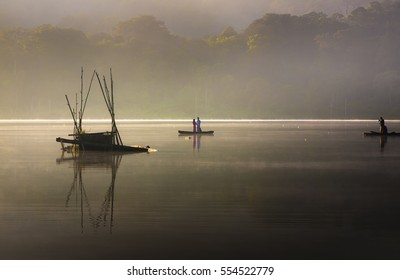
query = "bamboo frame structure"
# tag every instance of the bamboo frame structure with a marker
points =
(109, 100)
(101, 141)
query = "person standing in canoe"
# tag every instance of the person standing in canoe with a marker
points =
(194, 125)
(383, 126)
(198, 123)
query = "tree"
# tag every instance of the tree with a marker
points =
(144, 29)
(53, 39)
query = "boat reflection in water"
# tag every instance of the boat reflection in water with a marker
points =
(383, 137)
(382, 141)
(81, 162)
(196, 140)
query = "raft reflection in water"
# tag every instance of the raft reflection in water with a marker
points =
(92, 160)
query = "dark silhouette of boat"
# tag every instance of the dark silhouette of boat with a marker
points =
(186, 132)
(98, 141)
(375, 133)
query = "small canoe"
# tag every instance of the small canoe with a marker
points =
(374, 133)
(196, 132)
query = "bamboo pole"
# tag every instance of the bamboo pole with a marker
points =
(110, 106)
(72, 113)
(76, 110)
(87, 95)
(108, 93)
(80, 111)
(118, 136)
(112, 90)
(102, 91)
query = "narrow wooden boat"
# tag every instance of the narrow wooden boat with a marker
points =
(186, 132)
(375, 133)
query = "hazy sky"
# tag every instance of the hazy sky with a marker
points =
(185, 17)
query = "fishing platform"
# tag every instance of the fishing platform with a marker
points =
(97, 141)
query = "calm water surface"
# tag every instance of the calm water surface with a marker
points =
(268, 190)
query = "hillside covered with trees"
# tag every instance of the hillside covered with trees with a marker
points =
(280, 66)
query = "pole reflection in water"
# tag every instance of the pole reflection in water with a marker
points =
(382, 141)
(92, 160)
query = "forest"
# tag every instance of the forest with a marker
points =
(281, 66)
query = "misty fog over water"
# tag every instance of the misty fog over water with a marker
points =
(213, 59)
(268, 190)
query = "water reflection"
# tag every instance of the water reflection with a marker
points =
(382, 141)
(254, 191)
(89, 160)
(196, 140)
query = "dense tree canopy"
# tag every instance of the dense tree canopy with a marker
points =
(280, 66)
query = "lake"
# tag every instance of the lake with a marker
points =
(255, 190)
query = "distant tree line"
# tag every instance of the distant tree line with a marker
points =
(280, 66)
